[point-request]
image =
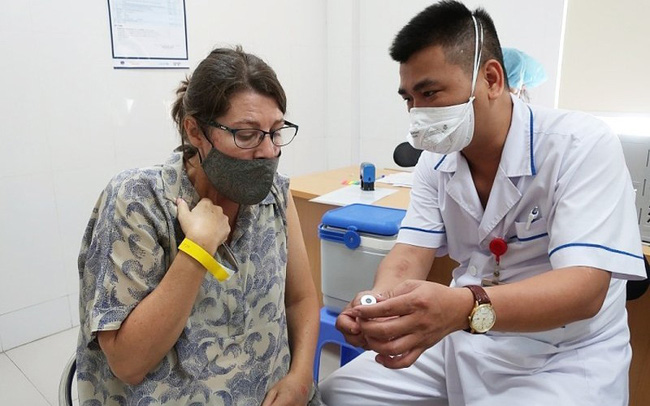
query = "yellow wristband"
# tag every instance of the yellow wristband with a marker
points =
(195, 251)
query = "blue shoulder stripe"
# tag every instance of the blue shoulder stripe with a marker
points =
(422, 230)
(578, 244)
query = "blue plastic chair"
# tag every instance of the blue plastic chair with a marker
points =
(329, 334)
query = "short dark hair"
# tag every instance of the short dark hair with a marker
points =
(206, 94)
(448, 24)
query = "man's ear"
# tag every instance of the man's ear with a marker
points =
(495, 77)
(193, 131)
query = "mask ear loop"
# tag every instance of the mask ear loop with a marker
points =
(478, 47)
(207, 139)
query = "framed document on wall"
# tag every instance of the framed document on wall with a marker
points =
(148, 34)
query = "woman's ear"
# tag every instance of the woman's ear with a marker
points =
(495, 77)
(193, 131)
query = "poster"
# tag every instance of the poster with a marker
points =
(148, 34)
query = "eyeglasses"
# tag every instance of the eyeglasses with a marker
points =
(247, 138)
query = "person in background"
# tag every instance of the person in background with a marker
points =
(537, 207)
(523, 71)
(194, 280)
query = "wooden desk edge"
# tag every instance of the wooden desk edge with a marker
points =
(302, 186)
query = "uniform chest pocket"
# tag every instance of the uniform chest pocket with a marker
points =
(531, 231)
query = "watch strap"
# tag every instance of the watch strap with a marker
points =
(480, 298)
(480, 295)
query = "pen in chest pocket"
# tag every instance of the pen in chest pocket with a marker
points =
(532, 216)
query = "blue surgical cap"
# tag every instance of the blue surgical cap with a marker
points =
(522, 69)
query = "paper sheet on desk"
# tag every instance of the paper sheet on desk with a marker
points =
(353, 194)
(404, 179)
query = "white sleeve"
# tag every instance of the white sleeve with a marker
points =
(593, 221)
(423, 226)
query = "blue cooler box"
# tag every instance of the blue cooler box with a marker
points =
(354, 240)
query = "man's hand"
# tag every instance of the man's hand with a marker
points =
(409, 319)
(347, 322)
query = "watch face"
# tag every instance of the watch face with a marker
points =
(483, 318)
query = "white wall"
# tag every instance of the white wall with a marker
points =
(605, 67)
(70, 122)
(342, 78)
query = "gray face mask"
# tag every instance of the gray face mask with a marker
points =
(244, 181)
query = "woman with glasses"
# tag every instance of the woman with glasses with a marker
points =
(195, 283)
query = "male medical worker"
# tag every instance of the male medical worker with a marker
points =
(537, 207)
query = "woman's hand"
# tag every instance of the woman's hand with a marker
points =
(205, 224)
(291, 390)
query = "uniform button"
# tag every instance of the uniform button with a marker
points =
(472, 270)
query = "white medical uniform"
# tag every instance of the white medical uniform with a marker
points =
(570, 167)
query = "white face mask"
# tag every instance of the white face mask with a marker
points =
(450, 128)
(442, 129)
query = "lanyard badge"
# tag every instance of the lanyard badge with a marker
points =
(498, 247)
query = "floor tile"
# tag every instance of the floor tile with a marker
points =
(15, 388)
(43, 361)
(45, 318)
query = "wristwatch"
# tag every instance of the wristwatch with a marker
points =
(482, 317)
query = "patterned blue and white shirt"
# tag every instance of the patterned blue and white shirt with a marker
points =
(235, 344)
